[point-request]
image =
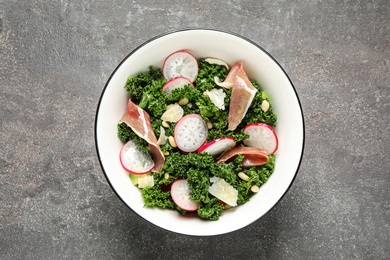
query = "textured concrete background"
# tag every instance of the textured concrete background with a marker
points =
(55, 57)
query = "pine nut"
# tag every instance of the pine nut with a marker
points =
(255, 188)
(166, 153)
(264, 105)
(165, 124)
(189, 105)
(183, 101)
(169, 106)
(166, 176)
(243, 176)
(209, 124)
(172, 141)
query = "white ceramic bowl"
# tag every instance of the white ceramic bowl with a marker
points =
(260, 66)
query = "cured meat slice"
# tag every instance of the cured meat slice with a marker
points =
(231, 77)
(252, 156)
(158, 157)
(242, 96)
(139, 121)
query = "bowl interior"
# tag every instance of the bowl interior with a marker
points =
(259, 66)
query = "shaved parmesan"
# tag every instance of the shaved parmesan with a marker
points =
(217, 96)
(173, 114)
(146, 181)
(223, 191)
(217, 61)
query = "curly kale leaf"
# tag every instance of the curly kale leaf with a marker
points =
(153, 101)
(200, 103)
(199, 184)
(255, 114)
(138, 84)
(205, 78)
(211, 210)
(125, 134)
(155, 196)
(145, 90)
(257, 176)
(228, 171)
(193, 167)
(216, 133)
(189, 92)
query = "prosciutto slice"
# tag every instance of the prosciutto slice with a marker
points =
(139, 121)
(231, 77)
(252, 156)
(242, 95)
(240, 101)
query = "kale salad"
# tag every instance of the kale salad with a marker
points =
(198, 135)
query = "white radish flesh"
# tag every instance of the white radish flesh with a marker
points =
(134, 160)
(180, 64)
(190, 133)
(178, 82)
(180, 193)
(261, 136)
(218, 146)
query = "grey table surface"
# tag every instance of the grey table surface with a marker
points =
(55, 58)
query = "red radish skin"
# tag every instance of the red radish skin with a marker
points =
(180, 64)
(178, 82)
(190, 133)
(218, 146)
(180, 193)
(134, 160)
(261, 136)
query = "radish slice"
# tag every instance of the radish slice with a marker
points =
(190, 133)
(134, 160)
(180, 64)
(178, 82)
(180, 193)
(218, 146)
(261, 136)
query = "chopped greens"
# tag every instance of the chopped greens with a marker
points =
(145, 91)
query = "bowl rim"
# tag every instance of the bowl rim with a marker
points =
(184, 30)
